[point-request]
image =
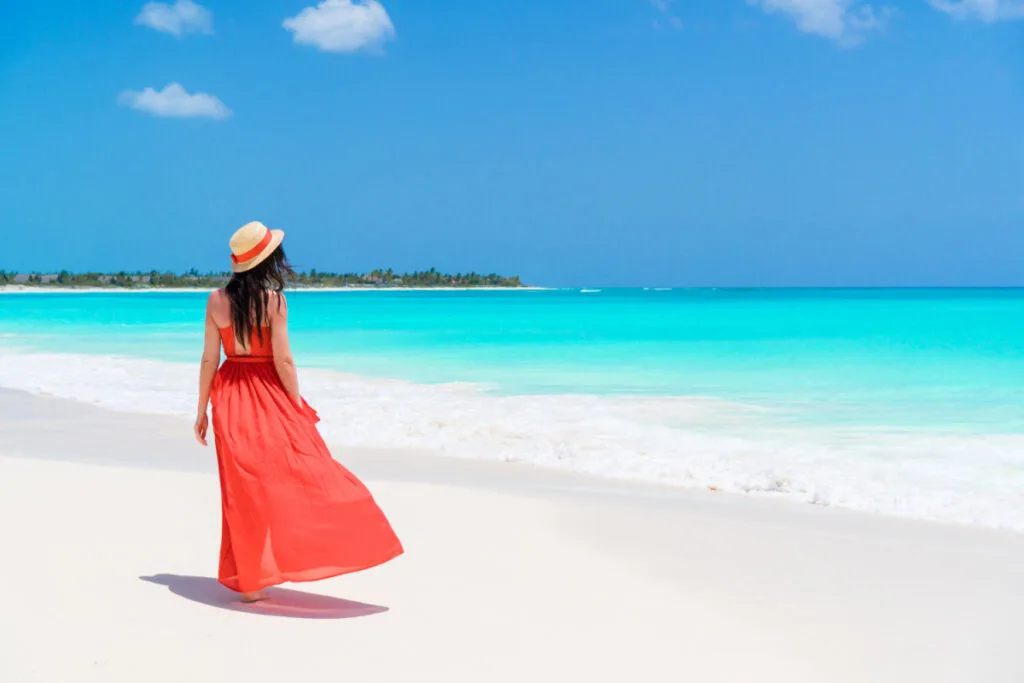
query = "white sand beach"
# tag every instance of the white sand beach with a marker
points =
(111, 530)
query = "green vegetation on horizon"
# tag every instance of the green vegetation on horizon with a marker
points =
(312, 279)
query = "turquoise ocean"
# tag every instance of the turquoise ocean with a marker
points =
(905, 402)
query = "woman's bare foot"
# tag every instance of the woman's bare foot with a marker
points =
(255, 596)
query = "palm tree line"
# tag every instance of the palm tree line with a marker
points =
(313, 279)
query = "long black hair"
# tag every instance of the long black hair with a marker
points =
(249, 293)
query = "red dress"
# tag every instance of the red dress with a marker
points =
(290, 511)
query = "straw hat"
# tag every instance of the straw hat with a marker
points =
(252, 244)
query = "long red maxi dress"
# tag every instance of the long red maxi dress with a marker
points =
(291, 512)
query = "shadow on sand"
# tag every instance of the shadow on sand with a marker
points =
(283, 602)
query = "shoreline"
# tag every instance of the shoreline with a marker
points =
(47, 289)
(717, 450)
(620, 582)
(426, 466)
(367, 413)
(58, 289)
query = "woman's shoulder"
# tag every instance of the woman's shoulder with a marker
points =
(218, 297)
(277, 303)
(218, 303)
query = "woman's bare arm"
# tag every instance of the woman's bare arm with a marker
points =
(283, 361)
(207, 369)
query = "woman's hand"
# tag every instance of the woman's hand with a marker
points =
(202, 423)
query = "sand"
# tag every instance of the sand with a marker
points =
(111, 531)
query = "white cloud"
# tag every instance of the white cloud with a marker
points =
(845, 21)
(184, 16)
(985, 10)
(342, 25)
(174, 101)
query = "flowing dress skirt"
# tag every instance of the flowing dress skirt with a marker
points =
(290, 511)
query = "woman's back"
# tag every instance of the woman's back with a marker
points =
(258, 344)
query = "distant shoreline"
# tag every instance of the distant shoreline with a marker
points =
(57, 289)
(313, 279)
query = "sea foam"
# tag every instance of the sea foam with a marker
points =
(690, 442)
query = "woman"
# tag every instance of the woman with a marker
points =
(290, 511)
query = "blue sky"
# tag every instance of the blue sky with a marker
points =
(605, 142)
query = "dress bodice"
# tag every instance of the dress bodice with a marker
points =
(257, 348)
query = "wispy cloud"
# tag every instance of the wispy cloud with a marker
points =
(984, 10)
(668, 17)
(844, 21)
(175, 102)
(342, 26)
(184, 16)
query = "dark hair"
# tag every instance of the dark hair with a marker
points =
(249, 293)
